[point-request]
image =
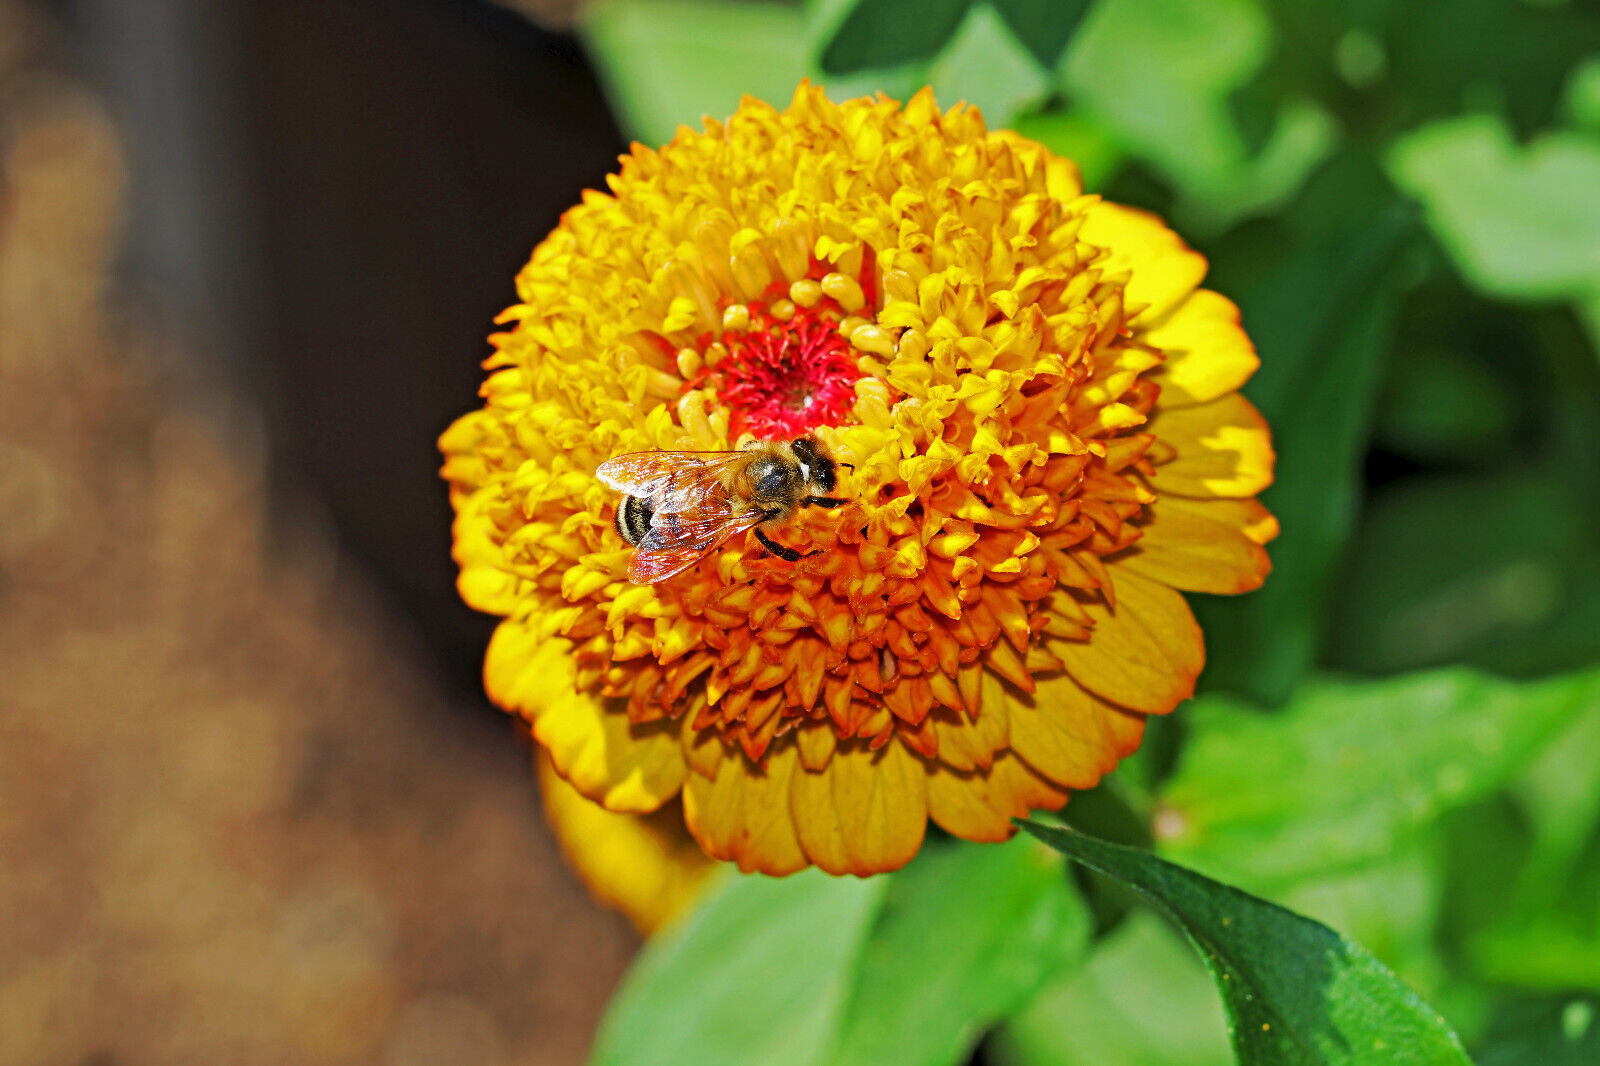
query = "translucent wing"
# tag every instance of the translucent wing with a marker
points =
(678, 540)
(671, 481)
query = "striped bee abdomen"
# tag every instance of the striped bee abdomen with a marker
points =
(633, 519)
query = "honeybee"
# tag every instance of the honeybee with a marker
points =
(678, 506)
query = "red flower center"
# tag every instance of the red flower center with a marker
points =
(781, 377)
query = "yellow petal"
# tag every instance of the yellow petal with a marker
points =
(483, 583)
(1145, 655)
(1164, 270)
(1208, 354)
(646, 866)
(865, 812)
(980, 805)
(1190, 550)
(969, 745)
(1071, 736)
(1249, 517)
(625, 767)
(1223, 449)
(741, 813)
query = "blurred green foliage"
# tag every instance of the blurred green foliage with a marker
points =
(1404, 199)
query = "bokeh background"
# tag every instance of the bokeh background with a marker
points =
(253, 804)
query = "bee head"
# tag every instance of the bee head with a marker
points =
(815, 464)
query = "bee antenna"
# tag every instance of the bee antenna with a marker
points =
(847, 466)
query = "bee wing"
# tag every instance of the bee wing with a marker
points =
(678, 540)
(671, 481)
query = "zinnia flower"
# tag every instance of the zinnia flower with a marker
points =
(1047, 443)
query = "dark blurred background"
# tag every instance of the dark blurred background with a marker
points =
(254, 807)
(332, 197)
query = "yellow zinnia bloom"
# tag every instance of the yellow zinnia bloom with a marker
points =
(1040, 409)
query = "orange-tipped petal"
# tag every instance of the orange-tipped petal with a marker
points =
(622, 766)
(1071, 736)
(864, 812)
(1145, 655)
(742, 814)
(648, 867)
(1223, 448)
(980, 805)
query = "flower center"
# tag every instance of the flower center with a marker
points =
(785, 371)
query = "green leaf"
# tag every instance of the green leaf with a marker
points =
(1295, 991)
(1160, 74)
(1044, 26)
(1348, 769)
(810, 970)
(759, 973)
(1319, 301)
(666, 63)
(883, 33)
(1519, 222)
(1538, 925)
(967, 934)
(1141, 999)
(1390, 907)
(985, 65)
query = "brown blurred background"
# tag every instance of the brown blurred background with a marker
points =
(253, 805)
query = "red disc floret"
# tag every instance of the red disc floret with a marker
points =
(783, 377)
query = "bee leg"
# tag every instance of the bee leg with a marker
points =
(825, 501)
(786, 554)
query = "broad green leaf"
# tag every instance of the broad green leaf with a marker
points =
(1554, 949)
(1295, 991)
(909, 968)
(666, 63)
(1390, 907)
(1141, 999)
(759, 973)
(985, 65)
(967, 933)
(1044, 26)
(884, 33)
(1348, 769)
(1540, 925)
(1159, 73)
(1519, 222)
(1500, 571)
(1560, 793)
(1318, 295)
